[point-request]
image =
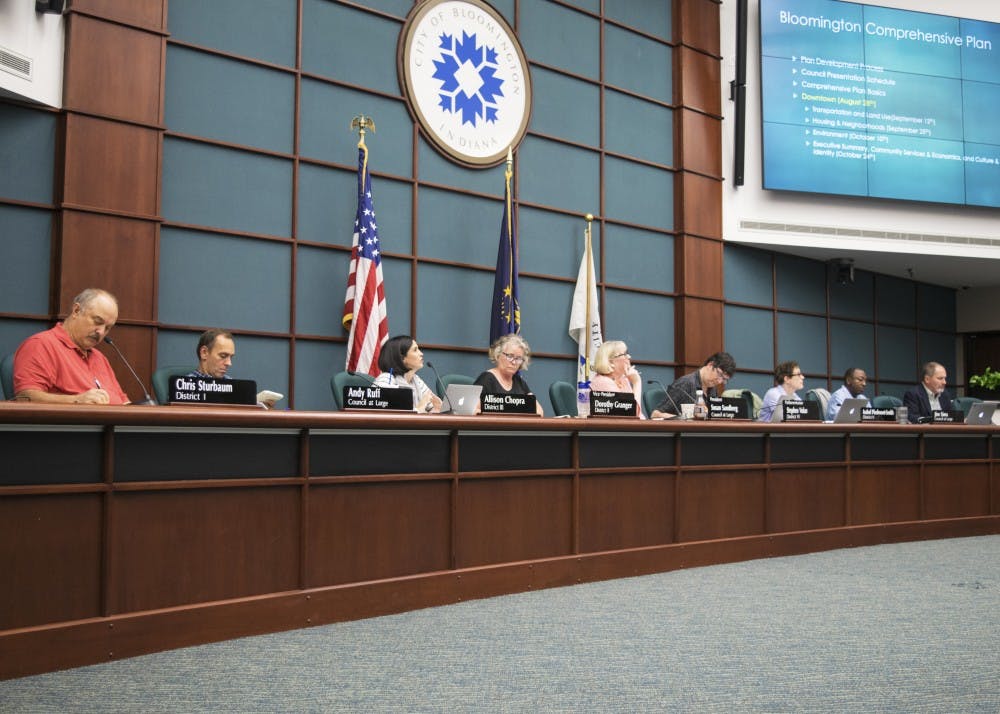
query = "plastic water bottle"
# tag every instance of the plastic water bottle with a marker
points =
(583, 399)
(700, 410)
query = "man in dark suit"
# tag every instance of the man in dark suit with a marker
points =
(928, 396)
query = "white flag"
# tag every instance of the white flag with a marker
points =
(585, 318)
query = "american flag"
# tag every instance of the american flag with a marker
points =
(364, 304)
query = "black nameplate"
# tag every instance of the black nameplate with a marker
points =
(376, 397)
(507, 403)
(208, 390)
(878, 414)
(727, 408)
(613, 404)
(948, 416)
(794, 410)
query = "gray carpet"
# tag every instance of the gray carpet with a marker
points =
(913, 627)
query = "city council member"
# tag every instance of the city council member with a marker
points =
(855, 381)
(788, 379)
(923, 400)
(713, 374)
(399, 359)
(509, 355)
(615, 372)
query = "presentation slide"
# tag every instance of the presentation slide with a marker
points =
(861, 100)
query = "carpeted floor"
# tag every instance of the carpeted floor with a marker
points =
(913, 627)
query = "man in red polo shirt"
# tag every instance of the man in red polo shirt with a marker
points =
(61, 366)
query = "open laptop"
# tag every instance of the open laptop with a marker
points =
(850, 411)
(981, 413)
(462, 398)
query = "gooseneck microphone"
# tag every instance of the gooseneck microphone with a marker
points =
(148, 401)
(438, 378)
(665, 391)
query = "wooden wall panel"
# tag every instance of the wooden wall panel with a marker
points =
(701, 322)
(700, 76)
(50, 558)
(696, 24)
(117, 254)
(703, 267)
(149, 14)
(136, 343)
(111, 166)
(720, 504)
(112, 70)
(956, 490)
(806, 499)
(177, 547)
(509, 519)
(701, 146)
(700, 208)
(370, 531)
(884, 494)
(625, 511)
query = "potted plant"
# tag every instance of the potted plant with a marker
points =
(985, 385)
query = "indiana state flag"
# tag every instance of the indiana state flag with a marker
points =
(505, 311)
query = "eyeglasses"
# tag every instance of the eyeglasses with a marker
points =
(722, 375)
(513, 359)
(623, 354)
(797, 374)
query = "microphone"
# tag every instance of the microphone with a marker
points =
(148, 401)
(665, 391)
(438, 378)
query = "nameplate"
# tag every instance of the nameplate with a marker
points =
(878, 414)
(727, 408)
(507, 403)
(377, 398)
(612, 404)
(794, 410)
(208, 390)
(948, 416)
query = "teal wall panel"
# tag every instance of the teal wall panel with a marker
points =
(27, 141)
(938, 347)
(326, 135)
(454, 305)
(400, 8)
(553, 243)
(632, 51)
(644, 322)
(756, 383)
(460, 228)
(261, 114)
(656, 140)
(14, 332)
(267, 33)
(747, 275)
(435, 169)
(332, 50)
(328, 202)
(854, 299)
(802, 338)
(895, 300)
(750, 337)
(801, 283)
(638, 258)
(26, 248)
(320, 284)
(852, 344)
(396, 274)
(223, 281)
(236, 190)
(935, 307)
(556, 92)
(545, 307)
(650, 16)
(561, 176)
(558, 36)
(897, 353)
(315, 364)
(639, 194)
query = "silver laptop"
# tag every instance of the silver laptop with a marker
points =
(981, 413)
(462, 398)
(850, 411)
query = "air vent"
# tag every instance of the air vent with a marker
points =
(861, 233)
(15, 64)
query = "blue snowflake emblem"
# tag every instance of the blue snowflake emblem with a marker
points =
(467, 72)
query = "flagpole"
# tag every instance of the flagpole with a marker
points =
(590, 283)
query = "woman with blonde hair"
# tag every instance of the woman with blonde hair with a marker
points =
(509, 355)
(615, 373)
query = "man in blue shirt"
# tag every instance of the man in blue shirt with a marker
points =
(855, 381)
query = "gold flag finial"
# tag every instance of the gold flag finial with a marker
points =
(360, 124)
(589, 218)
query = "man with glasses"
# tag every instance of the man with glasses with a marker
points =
(711, 378)
(788, 379)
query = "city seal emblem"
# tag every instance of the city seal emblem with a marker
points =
(465, 78)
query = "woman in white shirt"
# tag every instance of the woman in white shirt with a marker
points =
(399, 359)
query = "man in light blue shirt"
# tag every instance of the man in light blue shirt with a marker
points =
(855, 381)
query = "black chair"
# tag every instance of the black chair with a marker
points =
(443, 382)
(343, 379)
(161, 380)
(886, 401)
(7, 376)
(965, 403)
(563, 398)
